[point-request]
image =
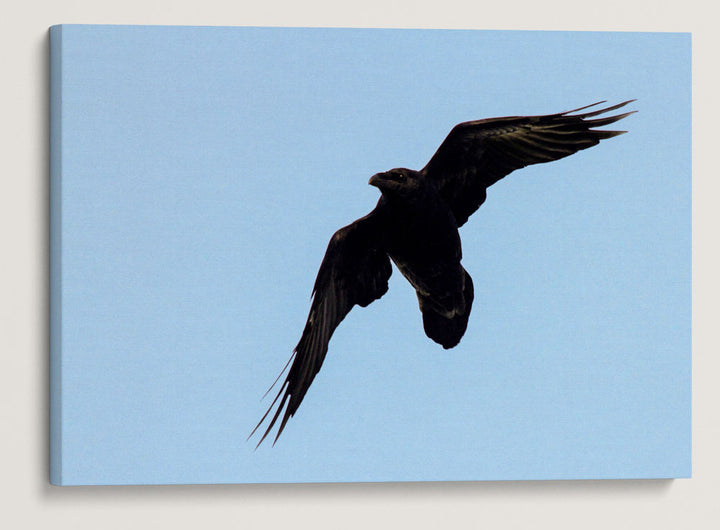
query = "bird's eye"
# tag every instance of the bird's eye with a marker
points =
(400, 176)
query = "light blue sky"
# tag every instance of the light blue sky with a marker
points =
(205, 169)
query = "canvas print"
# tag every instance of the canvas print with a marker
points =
(438, 255)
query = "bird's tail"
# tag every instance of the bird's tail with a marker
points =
(447, 331)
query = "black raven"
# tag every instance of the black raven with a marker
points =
(415, 224)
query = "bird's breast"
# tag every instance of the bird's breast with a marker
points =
(425, 246)
(425, 232)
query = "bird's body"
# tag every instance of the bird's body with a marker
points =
(415, 225)
(421, 237)
(422, 240)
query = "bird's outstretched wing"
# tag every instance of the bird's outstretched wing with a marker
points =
(476, 154)
(355, 270)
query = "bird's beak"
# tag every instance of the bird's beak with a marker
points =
(376, 179)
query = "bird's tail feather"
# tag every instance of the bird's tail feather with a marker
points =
(447, 331)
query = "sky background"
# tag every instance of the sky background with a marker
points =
(203, 173)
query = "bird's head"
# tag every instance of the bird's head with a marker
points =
(398, 181)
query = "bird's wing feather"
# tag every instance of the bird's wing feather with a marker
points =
(476, 154)
(355, 270)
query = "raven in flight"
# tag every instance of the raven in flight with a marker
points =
(415, 224)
